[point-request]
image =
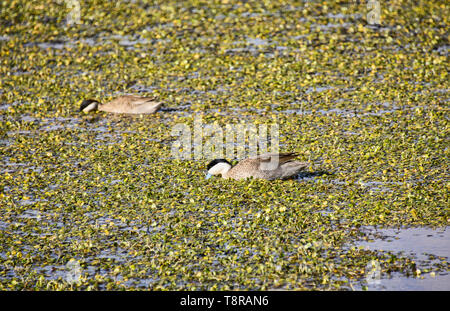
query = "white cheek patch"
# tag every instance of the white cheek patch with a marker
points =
(90, 107)
(219, 168)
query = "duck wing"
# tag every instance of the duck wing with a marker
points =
(137, 100)
(282, 157)
(270, 161)
(132, 104)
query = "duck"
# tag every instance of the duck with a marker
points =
(267, 166)
(124, 104)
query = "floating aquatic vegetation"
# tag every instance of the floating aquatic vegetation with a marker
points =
(365, 105)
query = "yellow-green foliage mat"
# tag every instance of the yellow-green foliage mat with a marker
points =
(366, 104)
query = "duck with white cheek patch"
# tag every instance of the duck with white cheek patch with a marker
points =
(125, 104)
(267, 166)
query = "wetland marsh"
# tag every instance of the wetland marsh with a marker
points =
(365, 104)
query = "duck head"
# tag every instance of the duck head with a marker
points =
(218, 166)
(89, 105)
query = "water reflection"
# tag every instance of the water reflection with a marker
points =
(426, 245)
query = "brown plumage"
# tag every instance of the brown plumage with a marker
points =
(124, 104)
(266, 166)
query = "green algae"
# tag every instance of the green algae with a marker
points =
(367, 104)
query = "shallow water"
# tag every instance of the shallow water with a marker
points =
(398, 282)
(418, 243)
(376, 152)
